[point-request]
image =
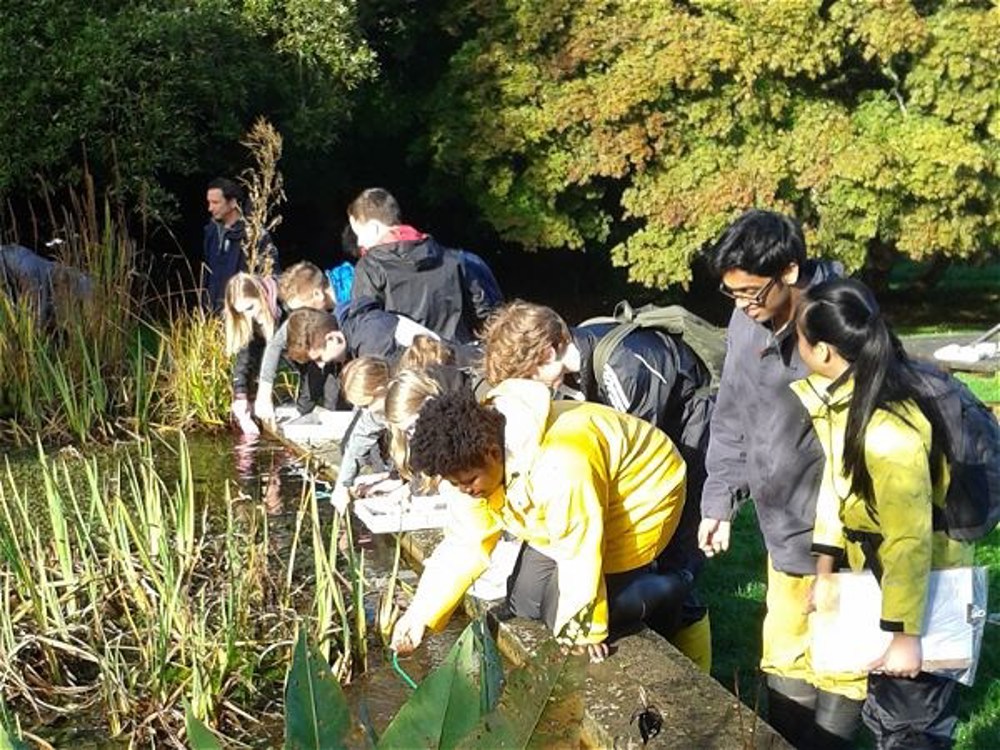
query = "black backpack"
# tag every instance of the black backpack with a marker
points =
(972, 437)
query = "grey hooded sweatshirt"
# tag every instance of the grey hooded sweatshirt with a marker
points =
(762, 445)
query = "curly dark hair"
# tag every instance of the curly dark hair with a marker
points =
(455, 433)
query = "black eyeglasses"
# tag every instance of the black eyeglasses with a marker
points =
(754, 298)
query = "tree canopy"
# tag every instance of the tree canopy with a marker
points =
(646, 127)
(141, 91)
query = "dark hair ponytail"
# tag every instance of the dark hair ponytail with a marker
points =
(844, 314)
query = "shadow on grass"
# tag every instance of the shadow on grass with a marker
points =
(733, 587)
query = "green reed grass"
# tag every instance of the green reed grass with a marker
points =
(122, 596)
(196, 374)
(100, 367)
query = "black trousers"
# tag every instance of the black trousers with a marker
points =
(915, 714)
(662, 600)
(810, 718)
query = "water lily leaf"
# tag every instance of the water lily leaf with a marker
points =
(444, 707)
(199, 736)
(541, 707)
(316, 713)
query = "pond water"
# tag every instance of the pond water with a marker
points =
(263, 473)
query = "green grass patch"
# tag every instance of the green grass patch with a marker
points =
(986, 387)
(733, 586)
(959, 277)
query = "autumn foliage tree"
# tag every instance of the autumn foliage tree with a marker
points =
(645, 127)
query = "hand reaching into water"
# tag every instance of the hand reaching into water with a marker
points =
(241, 413)
(407, 634)
(263, 405)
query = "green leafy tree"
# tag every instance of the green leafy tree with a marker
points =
(646, 127)
(142, 92)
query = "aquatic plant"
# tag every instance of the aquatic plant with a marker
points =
(122, 596)
(463, 703)
(73, 376)
(195, 377)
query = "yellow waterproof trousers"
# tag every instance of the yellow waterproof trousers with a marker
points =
(786, 637)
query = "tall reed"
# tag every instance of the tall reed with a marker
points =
(122, 595)
(195, 377)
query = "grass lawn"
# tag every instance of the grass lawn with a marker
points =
(733, 586)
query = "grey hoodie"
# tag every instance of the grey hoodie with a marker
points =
(762, 445)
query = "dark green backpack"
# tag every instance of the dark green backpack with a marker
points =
(707, 341)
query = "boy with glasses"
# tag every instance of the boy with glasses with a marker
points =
(762, 447)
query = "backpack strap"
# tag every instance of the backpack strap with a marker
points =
(608, 343)
(870, 542)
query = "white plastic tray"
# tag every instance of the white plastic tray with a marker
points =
(318, 426)
(400, 511)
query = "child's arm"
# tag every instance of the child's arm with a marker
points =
(363, 437)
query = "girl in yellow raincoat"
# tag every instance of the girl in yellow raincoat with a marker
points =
(596, 496)
(885, 473)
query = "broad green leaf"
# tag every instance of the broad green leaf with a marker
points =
(10, 743)
(199, 736)
(316, 713)
(445, 706)
(541, 706)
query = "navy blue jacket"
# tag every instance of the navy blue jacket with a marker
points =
(222, 249)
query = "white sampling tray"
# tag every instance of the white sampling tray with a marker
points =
(318, 426)
(400, 511)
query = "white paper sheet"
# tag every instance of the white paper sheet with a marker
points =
(846, 636)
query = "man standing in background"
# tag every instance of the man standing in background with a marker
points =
(222, 246)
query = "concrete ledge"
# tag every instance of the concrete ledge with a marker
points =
(698, 712)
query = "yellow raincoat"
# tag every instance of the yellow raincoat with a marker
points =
(596, 490)
(898, 455)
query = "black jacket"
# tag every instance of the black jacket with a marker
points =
(424, 281)
(656, 377)
(222, 250)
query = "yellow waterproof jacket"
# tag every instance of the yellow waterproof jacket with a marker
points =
(898, 456)
(596, 490)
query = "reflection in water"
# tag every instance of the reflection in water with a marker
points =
(263, 469)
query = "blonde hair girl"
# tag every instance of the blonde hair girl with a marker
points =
(249, 313)
(364, 381)
(407, 394)
(250, 307)
(425, 351)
